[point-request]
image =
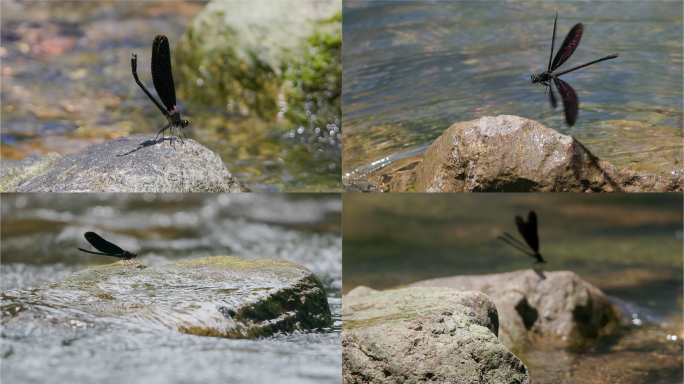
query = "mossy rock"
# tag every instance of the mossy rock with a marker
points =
(219, 296)
(423, 334)
(281, 61)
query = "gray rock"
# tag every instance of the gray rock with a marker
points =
(422, 334)
(513, 154)
(136, 164)
(218, 296)
(542, 309)
(12, 173)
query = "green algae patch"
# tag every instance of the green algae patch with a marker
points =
(313, 88)
(235, 263)
(203, 331)
(407, 303)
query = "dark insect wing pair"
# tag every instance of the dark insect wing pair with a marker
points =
(108, 249)
(528, 230)
(163, 83)
(570, 100)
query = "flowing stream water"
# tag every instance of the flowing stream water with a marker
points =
(67, 84)
(40, 234)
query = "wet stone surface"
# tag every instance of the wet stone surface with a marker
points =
(424, 334)
(513, 154)
(134, 163)
(218, 296)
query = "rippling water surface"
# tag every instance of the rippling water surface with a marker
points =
(411, 69)
(40, 234)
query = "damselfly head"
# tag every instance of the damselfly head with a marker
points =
(535, 79)
(184, 123)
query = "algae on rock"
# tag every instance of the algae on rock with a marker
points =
(219, 296)
(277, 60)
(424, 334)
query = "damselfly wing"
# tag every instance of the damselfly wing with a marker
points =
(162, 77)
(528, 230)
(108, 249)
(568, 95)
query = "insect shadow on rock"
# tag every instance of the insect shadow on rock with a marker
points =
(142, 145)
(570, 100)
(162, 78)
(528, 230)
(109, 249)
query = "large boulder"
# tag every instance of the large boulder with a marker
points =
(218, 296)
(542, 309)
(422, 334)
(513, 154)
(135, 163)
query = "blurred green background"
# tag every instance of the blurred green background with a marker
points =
(629, 245)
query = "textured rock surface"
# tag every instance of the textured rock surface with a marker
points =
(513, 154)
(14, 172)
(136, 164)
(550, 308)
(213, 296)
(423, 334)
